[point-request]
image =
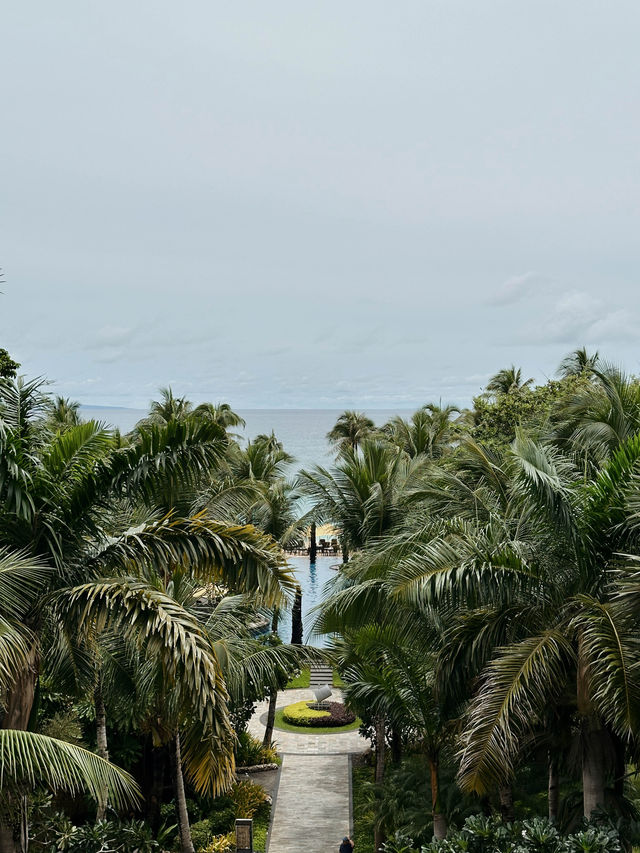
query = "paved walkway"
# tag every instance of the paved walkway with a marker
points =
(313, 802)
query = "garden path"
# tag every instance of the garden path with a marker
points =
(313, 801)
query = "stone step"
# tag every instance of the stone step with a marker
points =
(320, 675)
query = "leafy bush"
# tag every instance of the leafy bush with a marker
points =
(248, 798)
(250, 751)
(201, 834)
(489, 835)
(219, 844)
(302, 714)
(61, 836)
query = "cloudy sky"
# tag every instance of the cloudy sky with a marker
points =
(317, 204)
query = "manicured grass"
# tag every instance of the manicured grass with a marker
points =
(300, 680)
(313, 730)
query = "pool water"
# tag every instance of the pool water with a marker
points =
(312, 578)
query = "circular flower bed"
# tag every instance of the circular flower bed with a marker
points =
(304, 714)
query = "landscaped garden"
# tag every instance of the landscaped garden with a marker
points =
(483, 626)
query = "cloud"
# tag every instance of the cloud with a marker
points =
(579, 317)
(516, 288)
(111, 336)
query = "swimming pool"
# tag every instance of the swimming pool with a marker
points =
(312, 578)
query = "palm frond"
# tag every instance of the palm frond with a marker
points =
(517, 686)
(34, 759)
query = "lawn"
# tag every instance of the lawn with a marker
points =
(314, 730)
(302, 680)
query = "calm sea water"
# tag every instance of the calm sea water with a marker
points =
(302, 431)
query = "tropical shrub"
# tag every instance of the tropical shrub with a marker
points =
(251, 752)
(248, 798)
(490, 835)
(302, 714)
(220, 844)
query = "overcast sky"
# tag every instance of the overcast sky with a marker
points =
(317, 204)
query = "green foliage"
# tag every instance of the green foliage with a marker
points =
(8, 366)
(301, 680)
(495, 421)
(300, 713)
(59, 835)
(250, 751)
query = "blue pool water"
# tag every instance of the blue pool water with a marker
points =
(312, 578)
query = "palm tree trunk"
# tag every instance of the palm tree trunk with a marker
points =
(21, 696)
(440, 827)
(7, 840)
(506, 803)
(296, 619)
(553, 796)
(396, 746)
(18, 709)
(378, 832)
(593, 757)
(186, 844)
(101, 739)
(380, 749)
(313, 545)
(593, 767)
(271, 717)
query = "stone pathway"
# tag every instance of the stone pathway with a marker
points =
(313, 801)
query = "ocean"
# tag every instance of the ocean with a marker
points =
(302, 431)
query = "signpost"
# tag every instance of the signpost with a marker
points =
(244, 835)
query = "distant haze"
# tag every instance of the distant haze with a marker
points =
(317, 205)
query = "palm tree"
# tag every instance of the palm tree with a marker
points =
(220, 413)
(595, 420)
(506, 381)
(579, 363)
(521, 570)
(350, 430)
(28, 759)
(63, 413)
(72, 498)
(168, 408)
(430, 431)
(366, 493)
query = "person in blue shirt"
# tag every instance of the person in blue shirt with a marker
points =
(347, 845)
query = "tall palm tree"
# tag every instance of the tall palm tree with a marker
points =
(27, 759)
(595, 420)
(350, 430)
(523, 574)
(63, 413)
(72, 500)
(366, 493)
(579, 363)
(506, 381)
(220, 413)
(431, 431)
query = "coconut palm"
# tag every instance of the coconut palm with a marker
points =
(63, 413)
(430, 431)
(366, 493)
(594, 421)
(506, 381)
(579, 363)
(27, 759)
(350, 430)
(220, 413)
